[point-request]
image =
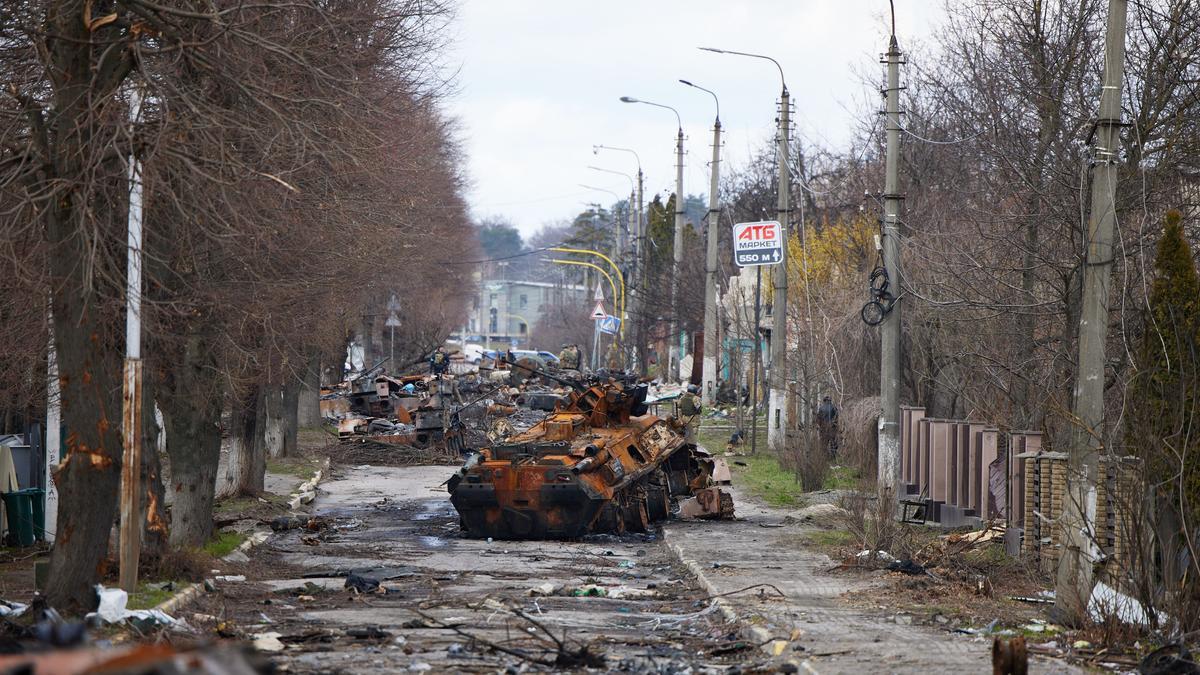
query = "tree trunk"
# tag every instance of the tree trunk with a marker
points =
(308, 404)
(192, 414)
(273, 426)
(247, 464)
(291, 415)
(89, 476)
(155, 520)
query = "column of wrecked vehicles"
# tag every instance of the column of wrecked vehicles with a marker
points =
(548, 452)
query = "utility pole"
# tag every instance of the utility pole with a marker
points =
(629, 345)
(674, 353)
(708, 387)
(1076, 572)
(777, 416)
(711, 327)
(639, 267)
(889, 371)
(130, 542)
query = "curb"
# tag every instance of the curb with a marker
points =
(304, 494)
(184, 596)
(758, 634)
(767, 643)
(308, 489)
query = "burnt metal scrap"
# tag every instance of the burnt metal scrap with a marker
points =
(598, 463)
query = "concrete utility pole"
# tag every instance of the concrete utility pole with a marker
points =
(777, 416)
(130, 542)
(1076, 573)
(889, 371)
(673, 351)
(708, 389)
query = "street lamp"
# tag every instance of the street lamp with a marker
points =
(637, 230)
(708, 384)
(673, 369)
(777, 422)
(622, 232)
(633, 264)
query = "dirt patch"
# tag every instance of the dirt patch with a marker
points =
(16, 571)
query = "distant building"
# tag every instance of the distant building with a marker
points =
(505, 311)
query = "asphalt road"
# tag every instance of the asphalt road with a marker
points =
(454, 604)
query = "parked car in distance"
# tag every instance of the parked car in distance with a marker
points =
(472, 353)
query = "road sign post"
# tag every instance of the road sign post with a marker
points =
(758, 243)
(609, 324)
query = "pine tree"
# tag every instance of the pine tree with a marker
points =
(661, 233)
(1163, 427)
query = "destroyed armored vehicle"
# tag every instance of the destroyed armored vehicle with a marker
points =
(599, 463)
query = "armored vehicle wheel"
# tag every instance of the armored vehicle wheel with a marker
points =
(636, 517)
(658, 503)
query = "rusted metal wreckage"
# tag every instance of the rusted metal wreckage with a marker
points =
(598, 463)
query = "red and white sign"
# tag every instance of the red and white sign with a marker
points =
(599, 312)
(759, 243)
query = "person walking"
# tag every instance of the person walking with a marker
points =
(827, 425)
(689, 410)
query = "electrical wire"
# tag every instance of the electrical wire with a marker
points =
(964, 139)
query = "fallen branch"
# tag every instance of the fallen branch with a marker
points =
(743, 590)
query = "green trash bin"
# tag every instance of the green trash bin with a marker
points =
(18, 509)
(38, 511)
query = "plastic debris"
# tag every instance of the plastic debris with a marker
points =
(590, 590)
(1107, 601)
(878, 555)
(268, 642)
(627, 593)
(112, 609)
(12, 608)
(543, 589)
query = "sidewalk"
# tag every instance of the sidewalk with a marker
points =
(829, 635)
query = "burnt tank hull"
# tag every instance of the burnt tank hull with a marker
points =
(594, 465)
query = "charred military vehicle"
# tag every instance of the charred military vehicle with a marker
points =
(598, 463)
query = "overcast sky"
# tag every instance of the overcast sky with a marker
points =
(539, 84)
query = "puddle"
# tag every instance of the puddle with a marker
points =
(429, 541)
(434, 508)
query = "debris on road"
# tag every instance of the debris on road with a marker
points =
(112, 609)
(268, 642)
(361, 584)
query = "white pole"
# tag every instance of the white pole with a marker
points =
(674, 353)
(131, 427)
(889, 371)
(53, 434)
(711, 345)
